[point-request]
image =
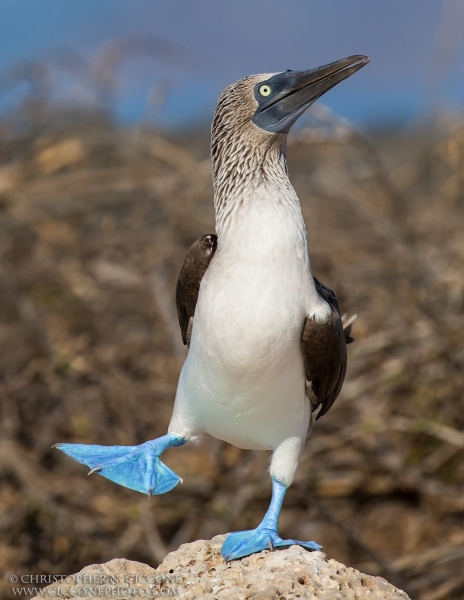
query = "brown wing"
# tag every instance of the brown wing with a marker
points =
(324, 349)
(188, 284)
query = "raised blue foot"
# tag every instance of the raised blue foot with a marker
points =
(265, 536)
(135, 467)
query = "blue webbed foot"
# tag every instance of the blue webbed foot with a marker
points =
(243, 543)
(135, 467)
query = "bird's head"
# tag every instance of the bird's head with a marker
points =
(281, 98)
(267, 105)
(252, 120)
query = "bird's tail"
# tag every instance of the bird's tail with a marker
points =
(347, 322)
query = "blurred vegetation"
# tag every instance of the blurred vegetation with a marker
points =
(95, 221)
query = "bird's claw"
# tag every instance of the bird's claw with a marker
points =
(243, 543)
(95, 470)
(135, 467)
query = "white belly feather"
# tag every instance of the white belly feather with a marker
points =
(243, 380)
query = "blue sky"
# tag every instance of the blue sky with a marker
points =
(416, 49)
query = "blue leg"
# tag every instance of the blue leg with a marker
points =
(135, 467)
(265, 536)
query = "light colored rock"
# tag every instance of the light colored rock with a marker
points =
(197, 571)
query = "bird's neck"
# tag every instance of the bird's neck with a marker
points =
(245, 173)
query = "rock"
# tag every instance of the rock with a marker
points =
(197, 571)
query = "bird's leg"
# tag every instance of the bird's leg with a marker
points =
(135, 467)
(265, 536)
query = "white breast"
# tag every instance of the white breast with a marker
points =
(243, 380)
(252, 297)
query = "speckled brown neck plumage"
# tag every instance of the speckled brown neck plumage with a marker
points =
(244, 157)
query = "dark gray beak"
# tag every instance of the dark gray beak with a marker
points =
(289, 94)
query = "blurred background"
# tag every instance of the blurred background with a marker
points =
(105, 182)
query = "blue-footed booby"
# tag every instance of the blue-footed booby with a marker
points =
(266, 340)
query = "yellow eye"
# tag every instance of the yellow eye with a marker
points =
(264, 90)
